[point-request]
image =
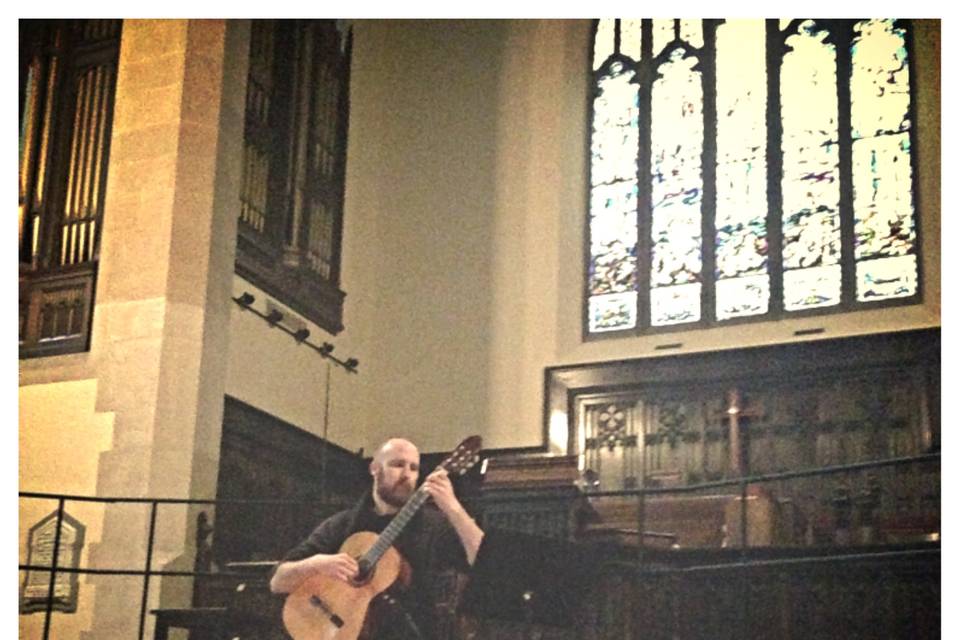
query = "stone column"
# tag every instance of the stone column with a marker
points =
(160, 335)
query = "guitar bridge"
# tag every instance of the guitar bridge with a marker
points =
(320, 604)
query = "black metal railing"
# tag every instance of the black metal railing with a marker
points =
(147, 571)
(638, 564)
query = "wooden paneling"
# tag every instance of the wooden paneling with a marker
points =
(262, 456)
(831, 596)
(687, 420)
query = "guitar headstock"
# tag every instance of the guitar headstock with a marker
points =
(464, 456)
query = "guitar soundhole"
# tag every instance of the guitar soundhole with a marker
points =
(364, 574)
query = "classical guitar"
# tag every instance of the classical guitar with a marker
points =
(324, 608)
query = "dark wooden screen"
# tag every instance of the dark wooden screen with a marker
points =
(68, 74)
(263, 457)
(295, 141)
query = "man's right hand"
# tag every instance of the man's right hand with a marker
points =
(290, 575)
(338, 565)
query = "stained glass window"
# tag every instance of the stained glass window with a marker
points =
(748, 169)
(885, 234)
(811, 170)
(613, 202)
(742, 278)
(676, 144)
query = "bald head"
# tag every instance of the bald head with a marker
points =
(395, 468)
(395, 446)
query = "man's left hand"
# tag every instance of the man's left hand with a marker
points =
(439, 487)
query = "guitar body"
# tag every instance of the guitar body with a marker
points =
(324, 608)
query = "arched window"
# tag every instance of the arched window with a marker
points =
(745, 170)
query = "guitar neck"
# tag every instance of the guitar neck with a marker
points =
(396, 526)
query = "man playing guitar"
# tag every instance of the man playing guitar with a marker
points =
(436, 539)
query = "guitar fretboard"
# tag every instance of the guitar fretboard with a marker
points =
(396, 526)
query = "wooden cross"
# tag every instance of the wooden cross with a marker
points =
(734, 412)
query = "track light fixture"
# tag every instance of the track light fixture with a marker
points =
(275, 317)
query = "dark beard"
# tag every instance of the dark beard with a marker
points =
(391, 497)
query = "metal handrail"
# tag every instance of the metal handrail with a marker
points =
(716, 484)
(129, 499)
(502, 495)
(781, 562)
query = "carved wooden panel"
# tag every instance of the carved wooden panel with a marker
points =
(56, 311)
(686, 420)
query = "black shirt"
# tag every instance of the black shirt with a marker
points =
(428, 543)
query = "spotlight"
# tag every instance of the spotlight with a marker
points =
(246, 299)
(274, 317)
(352, 364)
(326, 349)
(301, 334)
